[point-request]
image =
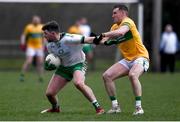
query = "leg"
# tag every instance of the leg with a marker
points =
(163, 63)
(29, 58)
(134, 73)
(39, 66)
(30, 53)
(27, 63)
(89, 56)
(166, 60)
(34, 62)
(78, 79)
(90, 60)
(172, 63)
(55, 85)
(39, 63)
(25, 66)
(115, 71)
(88, 50)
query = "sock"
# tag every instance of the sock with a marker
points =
(22, 75)
(112, 98)
(138, 101)
(21, 78)
(114, 101)
(41, 79)
(95, 104)
(55, 106)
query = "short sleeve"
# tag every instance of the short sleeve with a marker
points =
(26, 30)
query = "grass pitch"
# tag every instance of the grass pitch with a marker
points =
(22, 101)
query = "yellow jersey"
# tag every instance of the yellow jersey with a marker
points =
(34, 36)
(132, 47)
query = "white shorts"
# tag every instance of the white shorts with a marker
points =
(34, 52)
(141, 60)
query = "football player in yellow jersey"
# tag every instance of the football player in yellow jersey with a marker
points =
(32, 38)
(135, 57)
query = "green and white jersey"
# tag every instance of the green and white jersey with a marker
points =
(68, 49)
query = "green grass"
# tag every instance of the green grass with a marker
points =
(22, 101)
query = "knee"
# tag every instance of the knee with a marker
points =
(49, 94)
(28, 62)
(106, 76)
(40, 62)
(132, 75)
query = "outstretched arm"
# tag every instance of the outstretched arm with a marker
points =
(79, 39)
(109, 38)
(115, 33)
(117, 36)
(89, 40)
(95, 40)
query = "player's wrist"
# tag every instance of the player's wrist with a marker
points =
(103, 35)
(96, 40)
(82, 40)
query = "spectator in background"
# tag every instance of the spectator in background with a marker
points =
(32, 44)
(75, 28)
(86, 31)
(81, 27)
(168, 49)
(84, 27)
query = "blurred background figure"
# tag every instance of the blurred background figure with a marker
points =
(168, 49)
(33, 45)
(87, 48)
(84, 27)
(81, 27)
(75, 28)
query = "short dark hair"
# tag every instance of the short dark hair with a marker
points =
(51, 26)
(121, 7)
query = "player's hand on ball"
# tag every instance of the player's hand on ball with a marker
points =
(51, 62)
(48, 66)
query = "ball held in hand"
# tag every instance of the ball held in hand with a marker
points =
(53, 59)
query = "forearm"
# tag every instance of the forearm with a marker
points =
(23, 39)
(116, 33)
(119, 39)
(89, 40)
(82, 40)
(73, 39)
(104, 40)
(112, 34)
(95, 40)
